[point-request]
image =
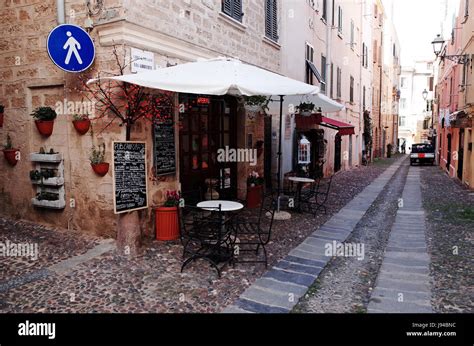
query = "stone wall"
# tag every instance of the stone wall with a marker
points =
(28, 79)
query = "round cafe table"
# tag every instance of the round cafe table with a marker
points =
(225, 206)
(300, 181)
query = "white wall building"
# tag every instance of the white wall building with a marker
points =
(413, 108)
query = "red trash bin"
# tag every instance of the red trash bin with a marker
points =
(166, 223)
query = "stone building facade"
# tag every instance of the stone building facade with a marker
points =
(174, 31)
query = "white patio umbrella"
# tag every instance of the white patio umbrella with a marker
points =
(326, 104)
(221, 76)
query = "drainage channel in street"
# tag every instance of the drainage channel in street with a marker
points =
(346, 283)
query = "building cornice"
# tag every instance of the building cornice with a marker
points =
(130, 34)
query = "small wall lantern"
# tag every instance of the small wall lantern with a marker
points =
(304, 151)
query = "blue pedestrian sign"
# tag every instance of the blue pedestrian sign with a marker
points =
(71, 48)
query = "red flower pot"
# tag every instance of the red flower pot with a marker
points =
(254, 196)
(166, 223)
(100, 168)
(10, 156)
(82, 126)
(45, 127)
(1, 119)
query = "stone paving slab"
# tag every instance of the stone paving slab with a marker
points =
(419, 298)
(69, 264)
(269, 297)
(276, 285)
(301, 267)
(403, 283)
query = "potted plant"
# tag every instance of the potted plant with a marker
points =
(254, 190)
(44, 120)
(81, 123)
(256, 103)
(166, 217)
(97, 159)
(2, 108)
(305, 108)
(11, 154)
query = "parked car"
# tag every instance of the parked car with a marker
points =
(422, 153)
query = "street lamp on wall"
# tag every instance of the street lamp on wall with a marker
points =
(425, 94)
(438, 44)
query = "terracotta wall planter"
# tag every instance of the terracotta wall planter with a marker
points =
(166, 223)
(82, 126)
(100, 168)
(10, 156)
(45, 127)
(254, 196)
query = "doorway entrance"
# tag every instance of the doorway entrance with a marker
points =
(267, 169)
(448, 158)
(207, 124)
(460, 153)
(337, 153)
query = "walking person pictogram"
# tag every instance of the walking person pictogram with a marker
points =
(73, 45)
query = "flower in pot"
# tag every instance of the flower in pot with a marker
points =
(305, 108)
(12, 155)
(166, 217)
(2, 108)
(81, 123)
(97, 159)
(44, 120)
(254, 189)
(256, 103)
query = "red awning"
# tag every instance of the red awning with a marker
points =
(344, 128)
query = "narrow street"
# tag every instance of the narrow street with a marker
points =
(421, 266)
(78, 273)
(346, 283)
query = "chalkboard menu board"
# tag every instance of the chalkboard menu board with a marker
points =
(164, 154)
(130, 176)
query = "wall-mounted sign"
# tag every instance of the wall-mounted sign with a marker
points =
(142, 60)
(129, 176)
(203, 100)
(164, 147)
(70, 48)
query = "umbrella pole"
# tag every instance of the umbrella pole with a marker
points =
(279, 152)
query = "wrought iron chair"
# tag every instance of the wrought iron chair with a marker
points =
(205, 234)
(316, 197)
(253, 233)
(192, 197)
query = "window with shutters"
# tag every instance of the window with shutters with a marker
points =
(363, 98)
(375, 51)
(352, 34)
(325, 10)
(333, 22)
(323, 74)
(365, 55)
(233, 8)
(351, 89)
(339, 20)
(309, 54)
(271, 19)
(338, 82)
(331, 86)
